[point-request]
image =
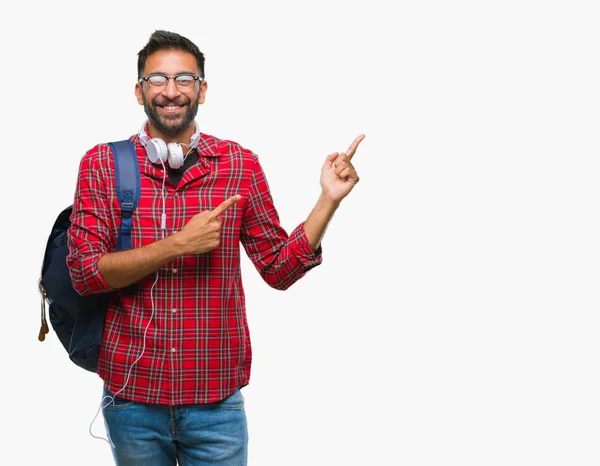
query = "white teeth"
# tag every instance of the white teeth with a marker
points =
(172, 107)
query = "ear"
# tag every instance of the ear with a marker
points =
(203, 88)
(138, 93)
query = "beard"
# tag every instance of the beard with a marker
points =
(171, 125)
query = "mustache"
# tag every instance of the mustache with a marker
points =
(158, 100)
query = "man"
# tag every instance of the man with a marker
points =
(176, 348)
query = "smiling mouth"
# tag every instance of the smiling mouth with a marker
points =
(171, 108)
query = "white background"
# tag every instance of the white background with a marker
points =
(454, 320)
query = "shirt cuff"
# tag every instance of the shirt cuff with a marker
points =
(86, 278)
(303, 250)
(100, 286)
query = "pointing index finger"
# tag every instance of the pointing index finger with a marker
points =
(352, 148)
(225, 205)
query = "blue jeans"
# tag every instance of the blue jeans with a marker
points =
(189, 435)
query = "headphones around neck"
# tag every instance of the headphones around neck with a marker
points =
(158, 151)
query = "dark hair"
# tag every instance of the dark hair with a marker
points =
(165, 40)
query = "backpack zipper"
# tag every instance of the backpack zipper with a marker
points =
(44, 327)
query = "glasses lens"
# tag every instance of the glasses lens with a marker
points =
(157, 80)
(184, 80)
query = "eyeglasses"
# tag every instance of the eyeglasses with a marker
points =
(182, 81)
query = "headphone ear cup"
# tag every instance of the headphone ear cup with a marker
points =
(175, 155)
(157, 150)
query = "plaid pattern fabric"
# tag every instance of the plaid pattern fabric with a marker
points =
(197, 344)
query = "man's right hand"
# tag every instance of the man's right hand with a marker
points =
(202, 233)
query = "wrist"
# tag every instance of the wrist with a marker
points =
(174, 245)
(327, 203)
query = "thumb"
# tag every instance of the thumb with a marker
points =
(330, 159)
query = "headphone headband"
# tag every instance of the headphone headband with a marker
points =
(194, 140)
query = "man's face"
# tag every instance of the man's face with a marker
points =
(171, 109)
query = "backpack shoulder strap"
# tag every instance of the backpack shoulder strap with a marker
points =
(127, 172)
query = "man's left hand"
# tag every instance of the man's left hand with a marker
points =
(338, 175)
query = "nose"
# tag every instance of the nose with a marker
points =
(171, 90)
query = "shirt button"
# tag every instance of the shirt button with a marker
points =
(174, 310)
(173, 350)
(174, 270)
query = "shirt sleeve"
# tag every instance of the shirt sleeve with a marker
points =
(90, 235)
(281, 259)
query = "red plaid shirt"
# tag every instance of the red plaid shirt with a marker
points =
(197, 346)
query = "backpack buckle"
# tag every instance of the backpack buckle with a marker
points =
(127, 209)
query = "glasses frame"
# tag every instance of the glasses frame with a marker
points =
(146, 78)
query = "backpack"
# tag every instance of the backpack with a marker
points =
(79, 320)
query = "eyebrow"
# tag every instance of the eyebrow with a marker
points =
(160, 73)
